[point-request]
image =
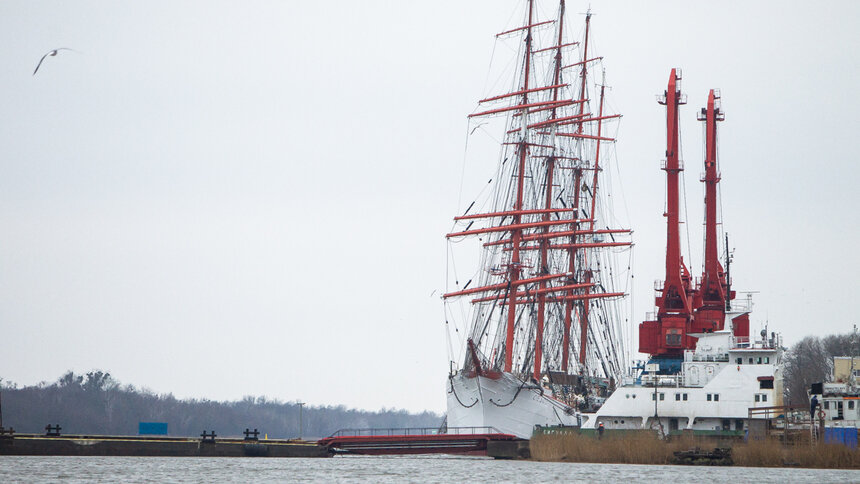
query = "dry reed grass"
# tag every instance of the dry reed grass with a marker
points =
(646, 448)
(771, 453)
(637, 448)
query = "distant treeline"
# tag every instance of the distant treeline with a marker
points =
(810, 360)
(96, 403)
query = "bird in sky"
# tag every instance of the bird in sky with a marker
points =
(52, 54)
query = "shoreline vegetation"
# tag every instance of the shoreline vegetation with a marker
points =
(98, 404)
(647, 448)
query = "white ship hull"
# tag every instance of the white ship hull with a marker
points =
(720, 382)
(504, 403)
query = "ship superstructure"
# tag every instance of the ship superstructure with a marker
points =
(701, 375)
(543, 326)
(719, 381)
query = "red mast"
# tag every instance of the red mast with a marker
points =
(568, 309)
(550, 168)
(518, 233)
(667, 336)
(585, 307)
(583, 73)
(583, 320)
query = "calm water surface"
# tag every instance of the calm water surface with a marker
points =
(380, 469)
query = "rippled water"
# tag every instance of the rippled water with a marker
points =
(379, 469)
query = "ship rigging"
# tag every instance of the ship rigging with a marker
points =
(547, 301)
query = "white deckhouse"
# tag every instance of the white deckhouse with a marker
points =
(718, 383)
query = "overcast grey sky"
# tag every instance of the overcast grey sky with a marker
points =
(218, 199)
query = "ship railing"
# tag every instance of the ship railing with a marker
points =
(629, 380)
(663, 380)
(721, 358)
(781, 421)
(665, 163)
(741, 342)
(703, 175)
(415, 431)
(782, 415)
(766, 344)
(742, 305)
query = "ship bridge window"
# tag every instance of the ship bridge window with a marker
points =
(768, 383)
(715, 397)
(673, 337)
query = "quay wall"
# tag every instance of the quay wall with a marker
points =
(646, 447)
(83, 445)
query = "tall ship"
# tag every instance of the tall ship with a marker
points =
(538, 323)
(706, 372)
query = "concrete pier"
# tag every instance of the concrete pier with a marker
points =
(104, 445)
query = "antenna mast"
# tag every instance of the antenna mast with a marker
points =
(728, 276)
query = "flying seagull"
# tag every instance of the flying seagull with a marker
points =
(52, 54)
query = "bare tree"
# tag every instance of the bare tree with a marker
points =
(807, 362)
(841, 344)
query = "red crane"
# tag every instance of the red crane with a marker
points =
(713, 297)
(667, 336)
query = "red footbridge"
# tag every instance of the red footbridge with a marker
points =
(459, 440)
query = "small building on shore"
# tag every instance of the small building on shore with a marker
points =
(839, 399)
(845, 367)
